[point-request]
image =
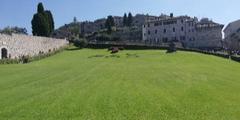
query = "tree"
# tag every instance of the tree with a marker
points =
(125, 20)
(80, 43)
(40, 8)
(40, 25)
(109, 23)
(50, 20)
(16, 30)
(42, 22)
(172, 47)
(130, 19)
(75, 20)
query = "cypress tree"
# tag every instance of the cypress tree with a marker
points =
(40, 8)
(42, 22)
(40, 25)
(125, 20)
(130, 19)
(50, 20)
(109, 23)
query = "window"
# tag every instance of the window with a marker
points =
(156, 31)
(164, 31)
(182, 37)
(182, 28)
(144, 26)
(148, 25)
(182, 21)
(173, 29)
(149, 32)
(174, 39)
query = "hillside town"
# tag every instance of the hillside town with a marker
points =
(119, 60)
(186, 31)
(183, 32)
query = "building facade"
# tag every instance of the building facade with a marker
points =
(232, 36)
(183, 29)
(208, 34)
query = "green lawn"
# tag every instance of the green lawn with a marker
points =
(132, 85)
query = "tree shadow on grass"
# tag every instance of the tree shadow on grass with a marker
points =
(105, 56)
(96, 56)
(132, 55)
(73, 49)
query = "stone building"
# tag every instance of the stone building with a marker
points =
(15, 45)
(100, 23)
(140, 19)
(118, 21)
(232, 35)
(166, 29)
(88, 27)
(183, 29)
(208, 34)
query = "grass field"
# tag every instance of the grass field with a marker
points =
(131, 85)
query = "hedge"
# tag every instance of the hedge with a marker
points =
(141, 47)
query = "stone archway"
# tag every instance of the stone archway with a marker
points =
(4, 53)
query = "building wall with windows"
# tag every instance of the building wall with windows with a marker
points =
(232, 36)
(182, 29)
(209, 35)
(177, 29)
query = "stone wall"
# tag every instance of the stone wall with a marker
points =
(23, 45)
(209, 38)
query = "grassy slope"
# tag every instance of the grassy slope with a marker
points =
(70, 85)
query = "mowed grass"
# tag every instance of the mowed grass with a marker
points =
(131, 85)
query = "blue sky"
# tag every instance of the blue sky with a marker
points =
(20, 12)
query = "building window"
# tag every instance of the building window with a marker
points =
(156, 31)
(173, 29)
(149, 32)
(182, 37)
(144, 26)
(148, 25)
(164, 31)
(174, 39)
(182, 28)
(182, 21)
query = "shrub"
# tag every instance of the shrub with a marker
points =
(103, 37)
(114, 50)
(28, 59)
(172, 48)
(80, 43)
